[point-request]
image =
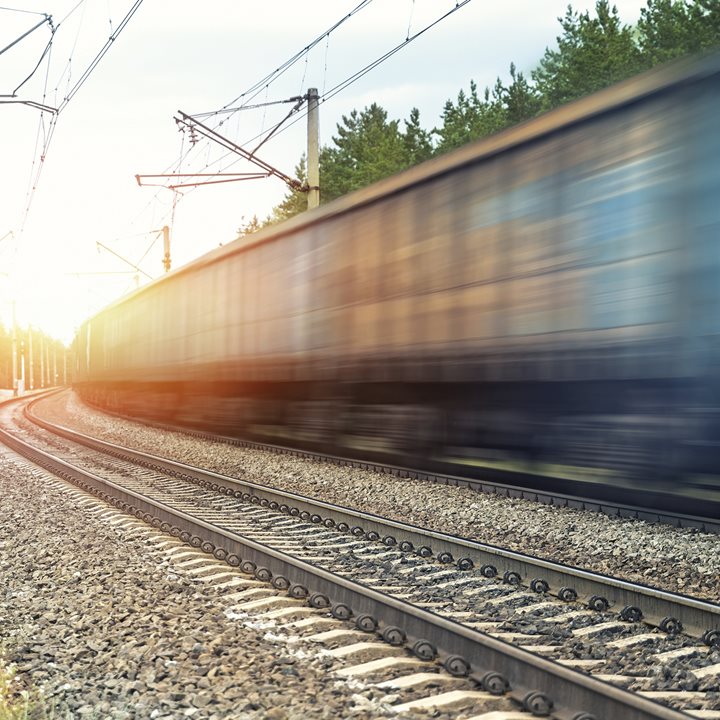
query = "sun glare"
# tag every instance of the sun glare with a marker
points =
(55, 303)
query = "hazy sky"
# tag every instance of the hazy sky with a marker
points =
(197, 57)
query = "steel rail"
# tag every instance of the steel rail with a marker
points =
(669, 611)
(536, 682)
(494, 486)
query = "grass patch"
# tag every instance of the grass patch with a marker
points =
(15, 701)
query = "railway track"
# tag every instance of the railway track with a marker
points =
(495, 480)
(556, 638)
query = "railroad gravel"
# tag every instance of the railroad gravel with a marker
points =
(676, 559)
(97, 625)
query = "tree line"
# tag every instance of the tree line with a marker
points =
(38, 356)
(594, 50)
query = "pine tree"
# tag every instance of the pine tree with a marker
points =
(469, 118)
(670, 29)
(593, 52)
(295, 201)
(520, 100)
(417, 141)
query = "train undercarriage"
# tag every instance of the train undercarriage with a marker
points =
(579, 438)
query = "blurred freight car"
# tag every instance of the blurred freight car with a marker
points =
(545, 300)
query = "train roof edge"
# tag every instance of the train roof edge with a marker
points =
(610, 98)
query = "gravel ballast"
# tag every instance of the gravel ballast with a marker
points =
(98, 624)
(676, 559)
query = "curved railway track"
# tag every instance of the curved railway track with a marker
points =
(465, 603)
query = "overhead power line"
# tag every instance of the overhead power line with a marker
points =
(46, 19)
(231, 108)
(226, 178)
(190, 122)
(37, 65)
(245, 107)
(339, 87)
(271, 77)
(49, 133)
(254, 90)
(379, 61)
(125, 260)
(21, 10)
(101, 54)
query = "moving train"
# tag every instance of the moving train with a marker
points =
(543, 301)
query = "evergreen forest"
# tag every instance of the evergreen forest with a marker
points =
(593, 50)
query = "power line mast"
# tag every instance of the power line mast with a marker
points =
(313, 149)
(166, 248)
(32, 359)
(195, 127)
(14, 351)
(188, 121)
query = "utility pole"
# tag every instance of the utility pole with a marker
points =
(313, 150)
(14, 351)
(30, 352)
(21, 384)
(166, 247)
(42, 361)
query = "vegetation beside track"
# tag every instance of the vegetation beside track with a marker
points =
(15, 701)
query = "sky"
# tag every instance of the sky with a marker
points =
(74, 223)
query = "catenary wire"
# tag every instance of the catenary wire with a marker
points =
(67, 69)
(39, 62)
(326, 94)
(254, 90)
(53, 122)
(100, 55)
(371, 66)
(76, 6)
(350, 79)
(271, 77)
(20, 10)
(47, 134)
